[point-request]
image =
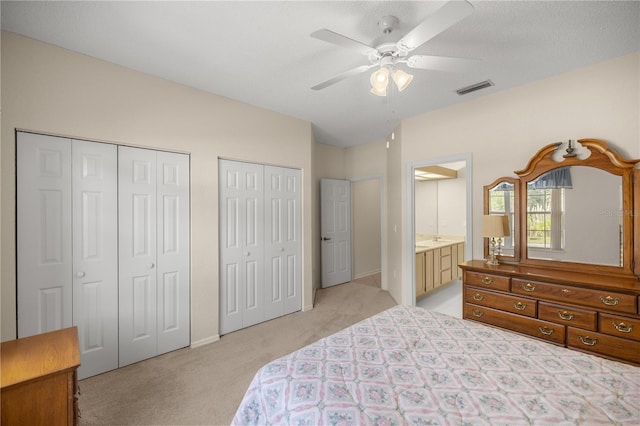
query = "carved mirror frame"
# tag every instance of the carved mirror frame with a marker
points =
(601, 158)
(516, 220)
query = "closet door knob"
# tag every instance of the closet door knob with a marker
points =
(152, 265)
(282, 249)
(80, 274)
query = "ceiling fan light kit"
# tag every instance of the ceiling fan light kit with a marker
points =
(387, 55)
(380, 80)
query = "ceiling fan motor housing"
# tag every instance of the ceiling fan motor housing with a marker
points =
(388, 23)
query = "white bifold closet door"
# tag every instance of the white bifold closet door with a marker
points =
(282, 241)
(154, 253)
(103, 244)
(67, 244)
(260, 243)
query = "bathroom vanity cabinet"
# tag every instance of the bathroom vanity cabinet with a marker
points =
(436, 265)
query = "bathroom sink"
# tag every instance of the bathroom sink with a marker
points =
(426, 244)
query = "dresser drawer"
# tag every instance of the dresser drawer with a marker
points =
(549, 331)
(496, 282)
(603, 344)
(629, 328)
(504, 302)
(595, 298)
(568, 315)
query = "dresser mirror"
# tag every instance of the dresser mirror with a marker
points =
(502, 197)
(570, 211)
(573, 214)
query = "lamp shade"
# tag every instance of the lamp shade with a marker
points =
(495, 226)
(402, 79)
(380, 79)
(379, 92)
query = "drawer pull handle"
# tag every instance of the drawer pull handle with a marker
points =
(566, 291)
(476, 313)
(610, 301)
(478, 297)
(487, 280)
(588, 341)
(546, 330)
(520, 306)
(528, 287)
(622, 327)
(565, 315)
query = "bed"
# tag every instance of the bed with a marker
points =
(408, 365)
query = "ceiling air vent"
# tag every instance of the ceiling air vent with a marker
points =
(474, 87)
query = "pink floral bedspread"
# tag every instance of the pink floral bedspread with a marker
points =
(409, 365)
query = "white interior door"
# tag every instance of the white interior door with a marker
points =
(95, 255)
(241, 196)
(335, 231)
(283, 275)
(173, 251)
(137, 254)
(44, 259)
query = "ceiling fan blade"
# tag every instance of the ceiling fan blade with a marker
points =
(343, 41)
(346, 74)
(443, 18)
(440, 63)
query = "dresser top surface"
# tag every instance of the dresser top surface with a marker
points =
(626, 284)
(40, 355)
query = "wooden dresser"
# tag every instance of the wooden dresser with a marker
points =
(39, 381)
(586, 312)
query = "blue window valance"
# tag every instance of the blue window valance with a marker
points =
(553, 179)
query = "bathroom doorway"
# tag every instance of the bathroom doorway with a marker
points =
(440, 231)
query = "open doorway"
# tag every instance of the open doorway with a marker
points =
(367, 230)
(440, 231)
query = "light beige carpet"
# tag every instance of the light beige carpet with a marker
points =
(205, 385)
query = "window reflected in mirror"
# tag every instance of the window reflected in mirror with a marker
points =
(501, 198)
(501, 202)
(572, 216)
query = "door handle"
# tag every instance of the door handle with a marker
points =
(325, 239)
(80, 274)
(151, 265)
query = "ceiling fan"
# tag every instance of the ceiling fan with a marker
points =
(387, 55)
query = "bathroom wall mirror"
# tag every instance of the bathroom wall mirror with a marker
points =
(502, 197)
(577, 213)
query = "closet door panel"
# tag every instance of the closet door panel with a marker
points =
(283, 242)
(241, 245)
(137, 297)
(253, 256)
(173, 251)
(44, 254)
(230, 228)
(95, 255)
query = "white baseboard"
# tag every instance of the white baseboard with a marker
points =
(206, 341)
(366, 274)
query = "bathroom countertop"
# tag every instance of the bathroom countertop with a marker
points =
(426, 245)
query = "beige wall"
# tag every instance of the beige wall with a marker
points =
(503, 130)
(55, 91)
(366, 166)
(366, 227)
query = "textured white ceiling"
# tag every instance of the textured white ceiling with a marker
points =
(261, 52)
